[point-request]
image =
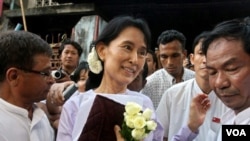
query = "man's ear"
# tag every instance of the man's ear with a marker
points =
(12, 76)
(101, 50)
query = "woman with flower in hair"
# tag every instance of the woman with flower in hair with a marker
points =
(115, 60)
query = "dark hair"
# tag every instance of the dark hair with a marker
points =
(109, 33)
(76, 45)
(18, 48)
(197, 39)
(238, 29)
(154, 57)
(171, 35)
(82, 66)
(145, 71)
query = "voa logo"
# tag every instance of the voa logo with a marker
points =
(236, 132)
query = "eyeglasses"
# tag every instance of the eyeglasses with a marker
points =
(46, 75)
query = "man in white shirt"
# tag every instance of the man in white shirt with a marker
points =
(25, 78)
(227, 49)
(173, 109)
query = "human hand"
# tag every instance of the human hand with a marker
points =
(54, 120)
(198, 108)
(55, 124)
(119, 137)
(117, 130)
(55, 95)
(55, 98)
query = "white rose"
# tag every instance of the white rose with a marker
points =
(132, 108)
(96, 67)
(129, 121)
(151, 125)
(95, 64)
(139, 122)
(138, 134)
(147, 113)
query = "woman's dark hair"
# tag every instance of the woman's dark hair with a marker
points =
(76, 45)
(82, 66)
(236, 29)
(145, 71)
(154, 57)
(197, 39)
(109, 33)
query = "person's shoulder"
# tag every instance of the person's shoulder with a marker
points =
(140, 94)
(182, 84)
(157, 76)
(188, 74)
(156, 73)
(180, 87)
(178, 91)
(79, 97)
(188, 71)
(135, 93)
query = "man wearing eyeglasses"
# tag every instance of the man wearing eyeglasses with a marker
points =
(25, 78)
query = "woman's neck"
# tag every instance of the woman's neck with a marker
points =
(109, 89)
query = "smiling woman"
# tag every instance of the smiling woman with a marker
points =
(121, 50)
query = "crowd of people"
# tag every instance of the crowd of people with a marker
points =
(87, 102)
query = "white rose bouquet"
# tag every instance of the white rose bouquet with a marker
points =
(137, 123)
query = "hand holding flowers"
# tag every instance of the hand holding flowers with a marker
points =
(137, 124)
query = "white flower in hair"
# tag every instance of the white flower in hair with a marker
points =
(95, 64)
